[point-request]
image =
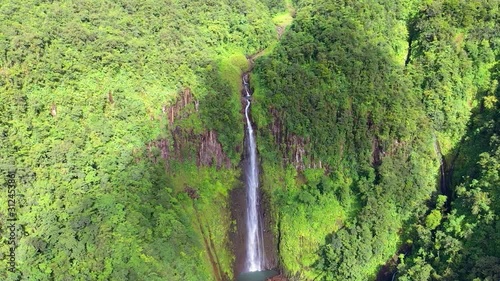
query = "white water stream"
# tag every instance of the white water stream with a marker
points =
(255, 258)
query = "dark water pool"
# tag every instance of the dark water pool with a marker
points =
(256, 276)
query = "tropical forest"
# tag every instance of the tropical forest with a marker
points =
(249, 140)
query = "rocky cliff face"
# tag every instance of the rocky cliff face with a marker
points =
(293, 147)
(186, 144)
(277, 278)
(210, 151)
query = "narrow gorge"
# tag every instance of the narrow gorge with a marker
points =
(250, 140)
(255, 256)
(254, 247)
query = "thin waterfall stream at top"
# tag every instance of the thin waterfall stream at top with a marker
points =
(255, 255)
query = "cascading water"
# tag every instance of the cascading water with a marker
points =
(255, 257)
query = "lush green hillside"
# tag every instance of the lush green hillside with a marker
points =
(337, 83)
(121, 135)
(358, 96)
(465, 244)
(88, 93)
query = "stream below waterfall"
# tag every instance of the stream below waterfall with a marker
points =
(257, 276)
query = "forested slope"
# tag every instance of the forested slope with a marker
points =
(121, 125)
(109, 180)
(457, 47)
(361, 98)
(337, 84)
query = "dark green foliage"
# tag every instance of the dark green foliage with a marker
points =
(466, 244)
(452, 45)
(367, 102)
(275, 6)
(335, 82)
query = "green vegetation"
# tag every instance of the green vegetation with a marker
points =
(86, 88)
(334, 82)
(361, 88)
(283, 19)
(465, 244)
(462, 37)
(221, 109)
(122, 123)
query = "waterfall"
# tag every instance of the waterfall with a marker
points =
(442, 173)
(255, 258)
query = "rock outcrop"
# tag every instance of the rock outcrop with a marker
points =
(277, 278)
(293, 147)
(185, 144)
